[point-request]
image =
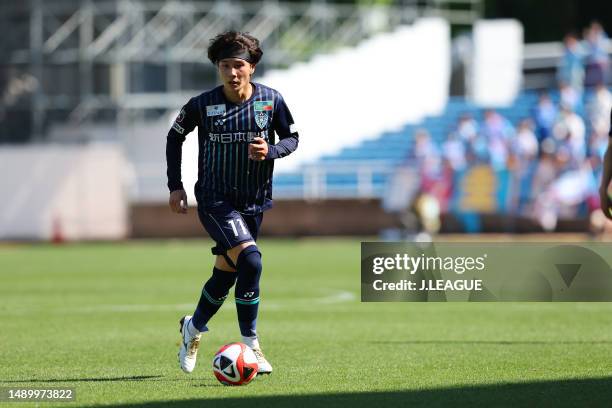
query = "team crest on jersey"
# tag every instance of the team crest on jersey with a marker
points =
(262, 112)
(215, 110)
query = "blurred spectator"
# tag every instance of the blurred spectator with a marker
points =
(560, 183)
(436, 174)
(525, 145)
(524, 152)
(544, 115)
(497, 131)
(598, 143)
(597, 148)
(426, 153)
(546, 169)
(598, 109)
(453, 151)
(571, 66)
(545, 174)
(569, 97)
(569, 132)
(565, 159)
(564, 196)
(467, 128)
(468, 131)
(597, 61)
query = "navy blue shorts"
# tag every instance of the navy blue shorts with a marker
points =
(226, 226)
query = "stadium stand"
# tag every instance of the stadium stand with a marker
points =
(391, 150)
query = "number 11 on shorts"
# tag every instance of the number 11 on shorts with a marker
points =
(233, 225)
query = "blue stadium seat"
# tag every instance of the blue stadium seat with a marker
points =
(395, 147)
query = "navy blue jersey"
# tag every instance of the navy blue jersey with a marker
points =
(225, 173)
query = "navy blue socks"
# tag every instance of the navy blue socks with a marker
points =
(213, 294)
(248, 266)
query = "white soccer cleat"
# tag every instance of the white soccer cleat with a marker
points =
(263, 367)
(189, 346)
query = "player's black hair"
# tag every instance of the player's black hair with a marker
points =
(234, 44)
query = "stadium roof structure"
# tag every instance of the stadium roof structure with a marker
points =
(91, 60)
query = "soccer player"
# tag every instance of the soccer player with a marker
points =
(604, 197)
(237, 122)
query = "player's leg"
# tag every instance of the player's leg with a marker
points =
(213, 294)
(248, 263)
(215, 289)
(247, 258)
(246, 292)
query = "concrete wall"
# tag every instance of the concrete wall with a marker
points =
(287, 218)
(63, 192)
(349, 217)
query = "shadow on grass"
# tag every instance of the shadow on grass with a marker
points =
(99, 379)
(593, 392)
(197, 382)
(492, 342)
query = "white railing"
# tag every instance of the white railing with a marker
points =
(315, 180)
(150, 185)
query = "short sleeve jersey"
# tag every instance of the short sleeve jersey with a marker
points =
(225, 129)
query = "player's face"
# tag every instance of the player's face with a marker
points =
(235, 73)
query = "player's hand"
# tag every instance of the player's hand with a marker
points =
(606, 203)
(178, 201)
(258, 149)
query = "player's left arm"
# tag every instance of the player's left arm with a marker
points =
(284, 126)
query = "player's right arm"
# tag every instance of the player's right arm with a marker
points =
(606, 203)
(184, 123)
(604, 197)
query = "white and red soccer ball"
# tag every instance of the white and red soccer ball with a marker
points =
(235, 364)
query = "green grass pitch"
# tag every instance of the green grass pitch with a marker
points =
(103, 318)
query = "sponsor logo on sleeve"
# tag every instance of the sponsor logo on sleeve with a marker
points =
(178, 120)
(178, 128)
(292, 128)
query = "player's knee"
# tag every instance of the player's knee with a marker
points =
(249, 269)
(249, 263)
(234, 252)
(249, 272)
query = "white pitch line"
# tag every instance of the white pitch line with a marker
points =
(337, 297)
(130, 308)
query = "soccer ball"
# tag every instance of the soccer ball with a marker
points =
(235, 364)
